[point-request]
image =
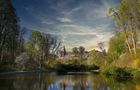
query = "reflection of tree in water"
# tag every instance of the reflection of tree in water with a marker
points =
(28, 82)
(64, 82)
(6, 84)
(76, 82)
(86, 82)
(103, 83)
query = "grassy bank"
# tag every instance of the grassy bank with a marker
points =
(125, 72)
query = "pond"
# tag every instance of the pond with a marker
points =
(45, 81)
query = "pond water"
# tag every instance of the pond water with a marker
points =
(36, 81)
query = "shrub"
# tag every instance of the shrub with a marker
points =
(124, 72)
(110, 70)
(119, 72)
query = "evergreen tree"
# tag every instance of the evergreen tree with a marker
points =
(9, 31)
(64, 50)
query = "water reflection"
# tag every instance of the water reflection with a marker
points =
(65, 82)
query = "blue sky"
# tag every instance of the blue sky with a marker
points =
(76, 22)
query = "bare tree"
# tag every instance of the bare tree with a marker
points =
(101, 46)
(81, 51)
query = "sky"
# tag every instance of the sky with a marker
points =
(76, 22)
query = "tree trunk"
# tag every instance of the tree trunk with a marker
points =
(2, 43)
(133, 37)
(127, 42)
(134, 44)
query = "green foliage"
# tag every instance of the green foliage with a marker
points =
(75, 51)
(37, 47)
(31, 50)
(98, 58)
(136, 74)
(71, 66)
(116, 46)
(109, 70)
(9, 32)
(119, 72)
(138, 53)
(7, 68)
(24, 62)
(81, 52)
(123, 51)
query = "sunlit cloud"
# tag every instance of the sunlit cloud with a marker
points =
(77, 22)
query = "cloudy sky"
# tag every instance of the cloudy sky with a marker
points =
(76, 22)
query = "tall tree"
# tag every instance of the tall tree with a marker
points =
(38, 47)
(101, 46)
(54, 44)
(41, 47)
(117, 46)
(9, 30)
(127, 16)
(75, 51)
(81, 51)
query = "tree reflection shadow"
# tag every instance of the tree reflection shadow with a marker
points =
(66, 82)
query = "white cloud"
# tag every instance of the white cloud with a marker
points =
(64, 19)
(99, 35)
(72, 11)
(82, 20)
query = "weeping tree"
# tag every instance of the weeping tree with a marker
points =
(9, 31)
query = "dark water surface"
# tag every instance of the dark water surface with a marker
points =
(36, 81)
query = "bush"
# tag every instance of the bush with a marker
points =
(124, 72)
(7, 68)
(111, 70)
(24, 62)
(137, 75)
(72, 66)
(119, 72)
